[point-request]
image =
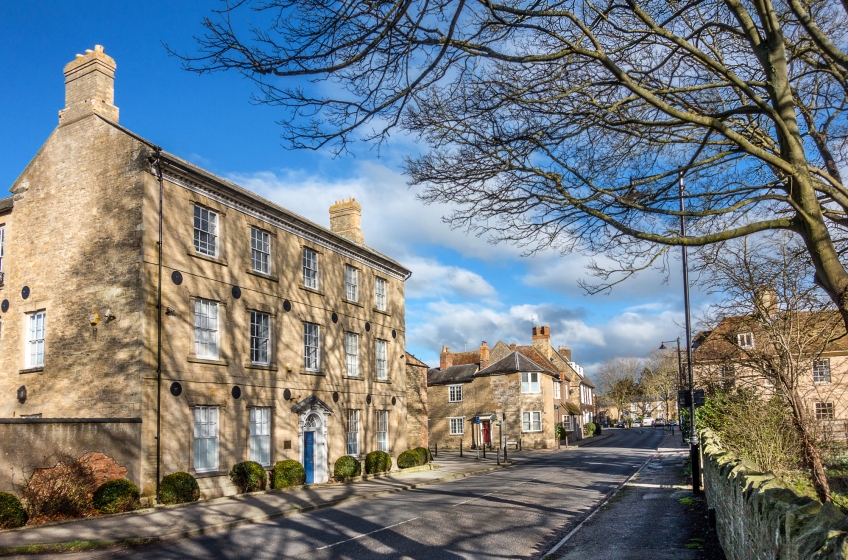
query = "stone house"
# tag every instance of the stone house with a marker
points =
(176, 321)
(528, 389)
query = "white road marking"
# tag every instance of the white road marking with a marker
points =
(366, 534)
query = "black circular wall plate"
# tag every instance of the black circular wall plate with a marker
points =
(335, 396)
(5, 305)
(368, 327)
(176, 388)
(236, 292)
(394, 401)
(335, 318)
(367, 399)
(287, 305)
(25, 292)
(394, 333)
(177, 277)
(236, 392)
(287, 394)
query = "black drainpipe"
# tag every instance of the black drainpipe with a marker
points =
(159, 334)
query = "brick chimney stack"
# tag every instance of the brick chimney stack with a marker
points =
(565, 352)
(484, 355)
(445, 358)
(542, 340)
(346, 220)
(89, 86)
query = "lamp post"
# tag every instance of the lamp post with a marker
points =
(680, 381)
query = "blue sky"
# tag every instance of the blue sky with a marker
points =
(463, 289)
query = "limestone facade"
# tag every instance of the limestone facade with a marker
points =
(271, 328)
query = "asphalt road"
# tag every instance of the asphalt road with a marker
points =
(519, 512)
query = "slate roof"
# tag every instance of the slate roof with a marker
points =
(412, 360)
(512, 363)
(533, 353)
(454, 374)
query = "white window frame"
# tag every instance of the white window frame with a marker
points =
(383, 431)
(821, 371)
(311, 347)
(557, 389)
(528, 385)
(206, 329)
(205, 239)
(352, 354)
(566, 423)
(531, 421)
(260, 435)
(352, 447)
(456, 425)
(206, 442)
(745, 340)
(311, 271)
(454, 393)
(260, 250)
(36, 336)
(351, 283)
(381, 365)
(380, 293)
(260, 338)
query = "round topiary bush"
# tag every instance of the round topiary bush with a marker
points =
(116, 496)
(249, 476)
(346, 467)
(12, 513)
(423, 455)
(409, 458)
(377, 462)
(179, 488)
(287, 473)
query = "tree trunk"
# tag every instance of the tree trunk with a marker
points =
(812, 455)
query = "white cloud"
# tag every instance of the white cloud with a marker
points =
(431, 279)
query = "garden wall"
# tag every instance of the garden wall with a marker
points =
(31, 443)
(759, 517)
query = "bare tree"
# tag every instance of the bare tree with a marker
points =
(617, 381)
(566, 124)
(772, 326)
(660, 378)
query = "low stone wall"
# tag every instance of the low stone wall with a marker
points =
(759, 517)
(27, 444)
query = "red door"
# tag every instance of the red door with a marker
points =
(487, 433)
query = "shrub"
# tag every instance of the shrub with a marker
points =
(287, 473)
(377, 462)
(116, 496)
(588, 429)
(409, 458)
(597, 429)
(179, 488)
(12, 513)
(346, 467)
(60, 492)
(423, 455)
(249, 476)
(559, 431)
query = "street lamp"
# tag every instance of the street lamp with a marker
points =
(680, 378)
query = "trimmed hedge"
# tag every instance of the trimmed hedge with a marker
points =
(179, 488)
(377, 462)
(116, 496)
(287, 473)
(589, 429)
(12, 513)
(249, 476)
(346, 467)
(423, 455)
(409, 458)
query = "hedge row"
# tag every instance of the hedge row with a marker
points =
(413, 458)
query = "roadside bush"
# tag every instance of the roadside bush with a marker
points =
(287, 473)
(116, 496)
(409, 458)
(12, 513)
(60, 492)
(249, 476)
(179, 488)
(346, 467)
(377, 462)
(559, 431)
(589, 429)
(598, 429)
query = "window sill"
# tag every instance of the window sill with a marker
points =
(351, 302)
(265, 367)
(354, 377)
(452, 402)
(196, 360)
(458, 434)
(387, 381)
(311, 290)
(310, 372)
(262, 275)
(39, 369)
(217, 260)
(382, 312)
(209, 474)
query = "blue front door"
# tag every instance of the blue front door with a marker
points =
(309, 456)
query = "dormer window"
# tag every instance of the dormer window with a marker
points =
(745, 340)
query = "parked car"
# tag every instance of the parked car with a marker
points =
(636, 425)
(621, 425)
(659, 423)
(672, 422)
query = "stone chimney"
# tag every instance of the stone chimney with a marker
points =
(484, 355)
(565, 352)
(346, 220)
(513, 346)
(89, 86)
(445, 358)
(542, 341)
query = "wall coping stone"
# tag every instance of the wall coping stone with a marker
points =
(70, 420)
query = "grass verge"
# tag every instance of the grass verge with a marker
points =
(73, 546)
